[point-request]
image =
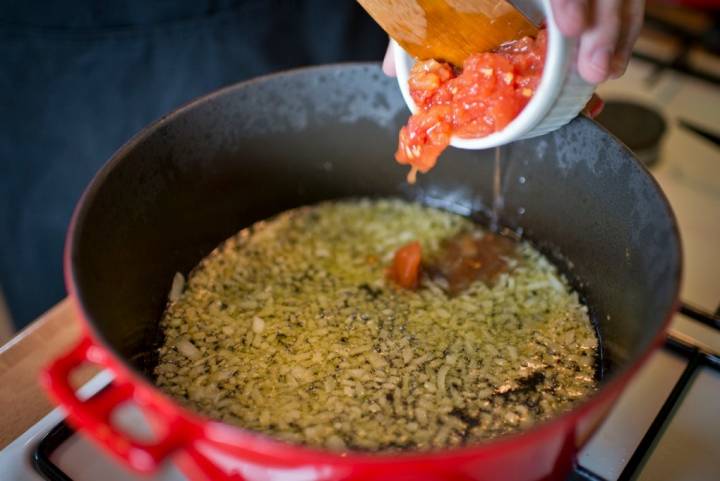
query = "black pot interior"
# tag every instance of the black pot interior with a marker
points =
(240, 155)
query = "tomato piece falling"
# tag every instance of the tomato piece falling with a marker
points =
(485, 97)
(405, 269)
(422, 141)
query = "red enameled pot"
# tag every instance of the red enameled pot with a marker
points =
(197, 176)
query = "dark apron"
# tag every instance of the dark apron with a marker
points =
(79, 78)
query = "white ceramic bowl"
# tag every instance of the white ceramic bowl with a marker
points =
(561, 95)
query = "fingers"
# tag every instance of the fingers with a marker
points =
(571, 16)
(594, 106)
(608, 30)
(598, 43)
(632, 20)
(388, 65)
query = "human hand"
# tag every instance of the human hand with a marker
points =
(607, 30)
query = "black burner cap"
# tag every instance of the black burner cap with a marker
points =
(639, 127)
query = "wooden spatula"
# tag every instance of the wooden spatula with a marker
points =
(449, 30)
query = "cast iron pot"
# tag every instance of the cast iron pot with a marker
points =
(242, 154)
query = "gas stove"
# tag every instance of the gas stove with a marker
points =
(666, 425)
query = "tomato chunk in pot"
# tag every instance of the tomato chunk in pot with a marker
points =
(405, 269)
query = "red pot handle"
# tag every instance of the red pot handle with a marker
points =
(204, 469)
(93, 415)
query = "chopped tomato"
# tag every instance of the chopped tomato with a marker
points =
(485, 97)
(425, 80)
(426, 135)
(405, 269)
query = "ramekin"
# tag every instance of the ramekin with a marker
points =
(561, 95)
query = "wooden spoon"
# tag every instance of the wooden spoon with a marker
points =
(449, 30)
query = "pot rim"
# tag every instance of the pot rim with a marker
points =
(224, 435)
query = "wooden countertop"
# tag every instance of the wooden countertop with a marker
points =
(22, 401)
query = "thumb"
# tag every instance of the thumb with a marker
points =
(388, 64)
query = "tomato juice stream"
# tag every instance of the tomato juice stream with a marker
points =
(498, 201)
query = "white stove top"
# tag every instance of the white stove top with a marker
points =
(687, 446)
